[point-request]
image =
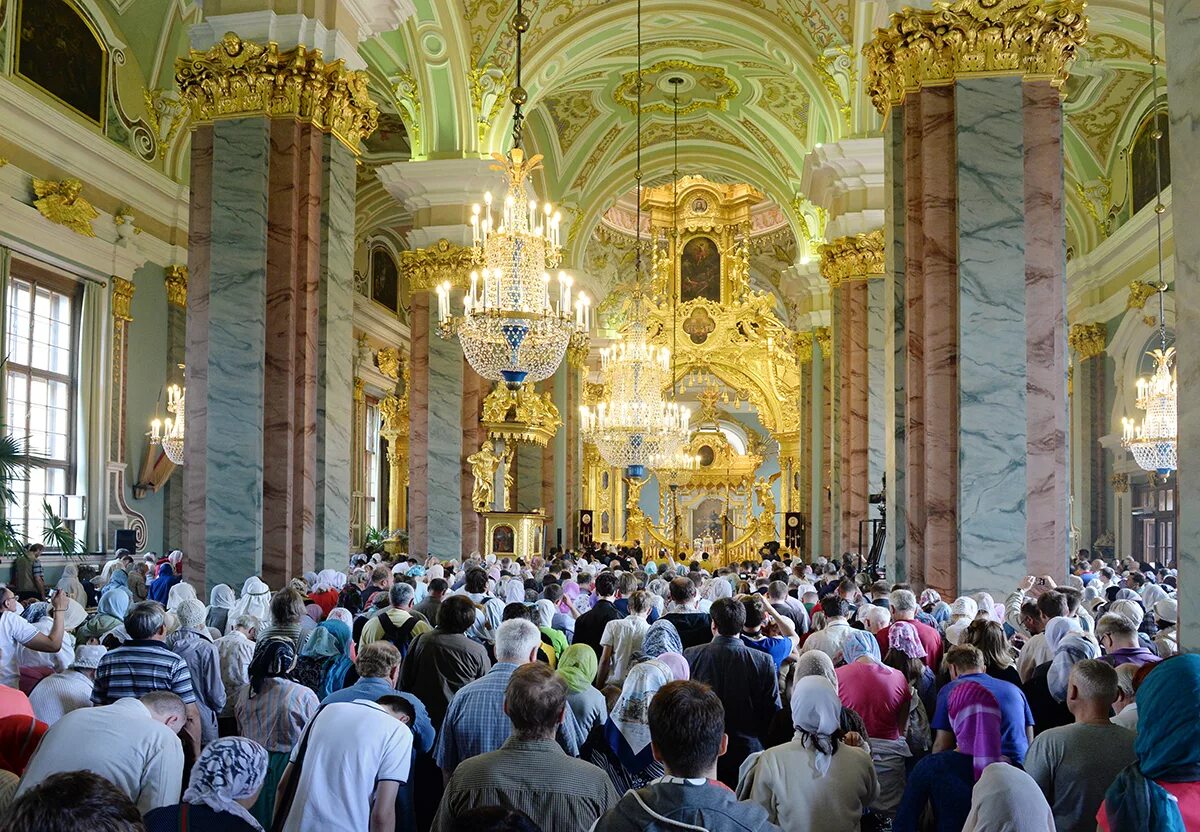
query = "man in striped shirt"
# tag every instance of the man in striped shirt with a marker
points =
(144, 664)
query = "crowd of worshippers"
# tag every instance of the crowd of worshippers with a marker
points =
(598, 691)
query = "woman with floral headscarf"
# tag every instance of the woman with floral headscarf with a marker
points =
(226, 775)
(624, 752)
(943, 781)
(272, 710)
(907, 655)
(814, 781)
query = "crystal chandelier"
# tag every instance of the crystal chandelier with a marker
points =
(635, 424)
(1154, 443)
(170, 433)
(509, 330)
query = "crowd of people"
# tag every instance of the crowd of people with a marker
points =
(599, 690)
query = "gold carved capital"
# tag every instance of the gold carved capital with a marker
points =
(852, 258)
(63, 203)
(237, 78)
(359, 389)
(929, 48)
(122, 299)
(1088, 339)
(824, 339)
(1120, 483)
(426, 268)
(577, 354)
(388, 361)
(804, 346)
(177, 280)
(523, 415)
(1139, 293)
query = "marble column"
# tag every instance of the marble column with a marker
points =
(1182, 27)
(823, 535)
(986, 482)
(176, 280)
(1088, 425)
(809, 441)
(475, 390)
(895, 356)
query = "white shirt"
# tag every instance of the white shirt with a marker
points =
(625, 637)
(1035, 652)
(58, 695)
(15, 632)
(120, 742)
(353, 746)
(828, 640)
(60, 661)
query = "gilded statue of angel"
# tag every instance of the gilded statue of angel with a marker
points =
(63, 203)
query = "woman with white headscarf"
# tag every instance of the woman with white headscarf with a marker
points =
(1006, 799)
(220, 602)
(814, 781)
(227, 774)
(70, 585)
(255, 600)
(625, 753)
(962, 613)
(179, 593)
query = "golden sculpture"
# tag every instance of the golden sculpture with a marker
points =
(393, 410)
(921, 48)
(1088, 339)
(388, 361)
(1139, 293)
(767, 529)
(177, 281)
(510, 477)
(427, 268)
(854, 257)
(237, 78)
(523, 415)
(122, 299)
(484, 463)
(63, 203)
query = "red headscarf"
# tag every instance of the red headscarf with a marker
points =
(19, 738)
(975, 717)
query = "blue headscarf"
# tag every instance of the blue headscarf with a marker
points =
(115, 604)
(330, 643)
(160, 588)
(1167, 748)
(859, 643)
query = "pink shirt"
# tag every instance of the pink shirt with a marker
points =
(877, 693)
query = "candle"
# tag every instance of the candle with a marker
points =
(474, 283)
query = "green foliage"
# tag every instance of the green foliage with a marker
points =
(58, 535)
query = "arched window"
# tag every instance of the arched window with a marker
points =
(385, 278)
(60, 52)
(1143, 181)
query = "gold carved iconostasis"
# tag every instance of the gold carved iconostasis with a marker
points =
(735, 363)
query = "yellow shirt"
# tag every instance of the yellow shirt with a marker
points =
(373, 631)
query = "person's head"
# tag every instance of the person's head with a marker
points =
(964, 659)
(476, 581)
(399, 707)
(167, 708)
(517, 641)
(683, 592)
(438, 587)
(287, 607)
(535, 701)
(228, 770)
(146, 620)
(835, 606)
(246, 624)
(879, 590)
(191, 614)
(1092, 689)
(988, 636)
(381, 576)
(401, 596)
(687, 729)
(494, 819)
(606, 585)
(34, 550)
(8, 601)
(1074, 598)
(847, 589)
(74, 801)
(378, 660)
(756, 612)
(1115, 632)
(1052, 604)
(728, 617)
(874, 617)
(456, 615)
(553, 593)
(904, 604)
(1125, 688)
(639, 603)
(777, 591)
(1031, 616)
(627, 583)
(516, 610)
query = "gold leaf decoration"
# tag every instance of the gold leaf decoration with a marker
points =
(63, 203)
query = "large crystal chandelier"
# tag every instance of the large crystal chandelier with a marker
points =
(510, 330)
(635, 424)
(1154, 442)
(170, 433)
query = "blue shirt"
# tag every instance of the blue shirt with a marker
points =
(943, 781)
(623, 605)
(373, 689)
(1014, 713)
(777, 647)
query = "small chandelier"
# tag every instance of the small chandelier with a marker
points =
(170, 433)
(509, 330)
(1154, 443)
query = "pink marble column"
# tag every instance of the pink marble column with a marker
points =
(806, 445)
(475, 390)
(1046, 370)
(574, 450)
(845, 371)
(914, 314)
(827, 541)
(854, 479)
(418, 443)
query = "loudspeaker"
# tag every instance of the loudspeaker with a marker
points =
(585, 526)
(125, 539)
(793, 530)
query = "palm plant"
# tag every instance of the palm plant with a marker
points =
(59, 535)
(14, 466)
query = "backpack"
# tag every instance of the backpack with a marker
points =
(400, 636)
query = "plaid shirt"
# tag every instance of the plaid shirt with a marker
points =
(140, 667)
(476, 723)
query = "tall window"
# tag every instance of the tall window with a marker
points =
(40, 390)
(1154, 519)
(371, 491)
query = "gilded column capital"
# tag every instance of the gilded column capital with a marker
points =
(577, 355)
(122, 299)
(824, 339)
(237, 78)
(1120, 483)
(177, 281)
(930, 48)
(1088, 339)
(426, 268)
(1139, 293)
(856, 257)
(804, 346)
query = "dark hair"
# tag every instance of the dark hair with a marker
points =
(494, 819)
(687, 722)
(1053, 604)
(553, 592)
(756, 611)
(456, 614)
(729, 616)
(847, 585)
(535, 700)
(287, 605)
(144, 619)
(834, 606)
(438, 585)
(682, 590)
(606, 584)
(516, 610)
(476, 580)
(988, 636)
(912, 668)
(74, 801)
(1074, 598)
(397, 704)
(1029, 609)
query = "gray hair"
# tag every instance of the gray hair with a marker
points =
(903, 600)
(516, 639)
(166, 704)
(401, 594)
(247, 622)
(145, 619)
(875, 614)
